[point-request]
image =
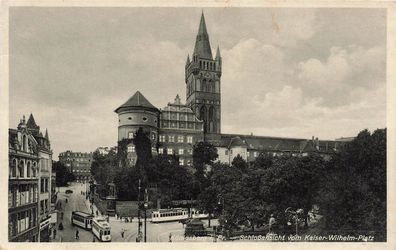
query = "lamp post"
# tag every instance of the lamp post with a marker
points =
(139, 208)
(145, 220)
(295, 214)
(221, 202)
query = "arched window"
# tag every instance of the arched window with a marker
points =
(210, 86)
(211, 119)
(202, 116)
(204, 86)
(28, 169)
(34, 169)
(21, 172)
(200, 64)
(24, 143)
(13, 168)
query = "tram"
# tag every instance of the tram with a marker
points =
(176, 214)
(101, 229)
(82, 219)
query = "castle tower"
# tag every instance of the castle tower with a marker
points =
(202, 76)
(137, 113)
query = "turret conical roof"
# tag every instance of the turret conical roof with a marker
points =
(202, 44)
(137, 101)
(31, 123)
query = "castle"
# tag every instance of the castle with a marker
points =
(177, 127)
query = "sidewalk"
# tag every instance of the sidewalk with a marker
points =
(92, 208)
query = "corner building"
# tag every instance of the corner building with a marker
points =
(29, 183)
(176, 128)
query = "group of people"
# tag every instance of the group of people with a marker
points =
(125, 219)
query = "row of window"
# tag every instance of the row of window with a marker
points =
(22, 221)
(180, 138)
(23, 170)
(170, 151)
(131, 135)
(144, 119)
(79, 159)
(81, 171)
(170, 214)
(22, 194)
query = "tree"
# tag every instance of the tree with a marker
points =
(103, 167)
(354, 188)
(204, 154)
(239, 163)
(63, 175)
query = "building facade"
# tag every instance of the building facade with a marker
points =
(29, 185)
(77, 163)
(176, 128)
(45, 175)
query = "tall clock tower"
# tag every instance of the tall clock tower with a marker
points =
(202, 76)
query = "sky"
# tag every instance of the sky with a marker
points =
(287, 72)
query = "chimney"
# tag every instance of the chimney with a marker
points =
(317, 143)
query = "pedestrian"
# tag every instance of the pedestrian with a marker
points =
(271, 223)
(170, 237)
(61, 215)
(93, 239)
(66, 200)
(54, 233)
(122, 233)
(77, 234)
(97, 213)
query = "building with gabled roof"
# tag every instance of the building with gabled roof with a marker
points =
(29, 185)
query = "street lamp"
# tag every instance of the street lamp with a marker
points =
(145, 220)
(295, 214)
(139, 208)
(221, 202)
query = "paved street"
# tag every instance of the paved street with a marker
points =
(76, 202)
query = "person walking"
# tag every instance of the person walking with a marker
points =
(93, 239)
(77, 234)
(271, 223)
(54, 233)
(122, 233)
(170, 237)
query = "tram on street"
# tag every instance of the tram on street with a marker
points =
(82, 219)
(175, 214)
(101, 229)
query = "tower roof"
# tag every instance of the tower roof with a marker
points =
(46, 134)
(31, 123)
(137, 101)
(188, 59)
(218, 56)
(202, 44)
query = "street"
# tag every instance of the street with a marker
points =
(156, 232)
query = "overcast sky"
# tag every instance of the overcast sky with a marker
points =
(286, 72)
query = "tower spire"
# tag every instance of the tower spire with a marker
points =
(46, 134)
(188, 59)
(202, 44)
(218, 56)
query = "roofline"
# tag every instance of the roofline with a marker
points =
(130, 108)
(264, 137)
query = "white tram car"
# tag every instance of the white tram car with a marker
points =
(82, 219)
(101, 229)
(175, 214)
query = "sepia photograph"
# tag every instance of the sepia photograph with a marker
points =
(197, 124)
